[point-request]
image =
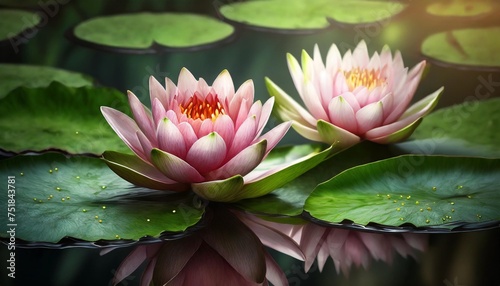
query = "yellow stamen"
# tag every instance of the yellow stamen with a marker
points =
(363, 77)
(195, 108)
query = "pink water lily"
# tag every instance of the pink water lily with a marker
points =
(207, 138)
(354, 97)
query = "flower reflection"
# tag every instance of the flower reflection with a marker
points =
(353, 97)
(226, 252)
(345, 247)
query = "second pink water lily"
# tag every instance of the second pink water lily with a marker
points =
(354, 97)
(204, 138)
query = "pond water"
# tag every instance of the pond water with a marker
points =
(471, 258)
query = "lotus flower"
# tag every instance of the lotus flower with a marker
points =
(200, 136)
(353, 97)
(226, 252)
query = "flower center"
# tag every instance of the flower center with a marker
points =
(363, 77)
(196, 108)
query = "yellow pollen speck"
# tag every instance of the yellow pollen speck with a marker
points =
(84, 210)
(395, 201)
(388, 196)
(50, 171)
(452, 210)
(452, 203)
(77, 177)
(401, 218)
(117, 236)
(400, 196)
(103, 187)
(408, 197)
(100, 221)
(403, 204)
(427, 221)
(429, 208)
(398, 209)
(459, 187)
(63, 199)
(417, 202)
(58, 189)
(208, 108)
(469, 196)
(434, 188)
(96, 217)
(421, 210)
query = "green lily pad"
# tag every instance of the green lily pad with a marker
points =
(424, 191)
(289, 200)
(149, 32)
(59, 117)
(459, 8)
(477, 47)
(80, 197)
(470, 128)
(14, 75)
(307, 15)
(13, 22)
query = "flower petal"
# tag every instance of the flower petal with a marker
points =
(224, 126)
(275, 135)
(295, 71)
(124, 127)
(140, 173)
(223, 86)
(157, 92)
(404, 129)
(265, 113)
(244, 136)
(333, 59)
(369, 117)
(170, 139)
(227, 190)
(283, 100)
(242, 163)
(360, 55)
(174, 167)
(310, 242)
(134, 259)
(207, 153)
(342, 114)
(274, 273)
(332, 134)
(142, 117)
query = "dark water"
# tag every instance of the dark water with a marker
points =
(452, 259)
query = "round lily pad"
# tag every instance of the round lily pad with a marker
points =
(459, 8)
(466, 48)
(425, 192)
(153, 32)
(299, 15)
(59, 117)
(57, 197)
(467, 129)
(14, 22)
(14, 75)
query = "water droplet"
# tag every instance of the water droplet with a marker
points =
(100, 221)
(403, 204)
(35, 199)
(417, 202)
(67, 198)
(469, 196)
(96, 217)
(429, 208)
(452, 203)
(478, 216)
(443, 219)
(58, 188)
(56, 169)
(77, 132)
(427, 221)
(434, 188)
(103, 207)
(452, 210)
(50, 171)
(408, 197)
(39, 201)
(51, 196)
(117, 236)
(388, 196)
(84, 210)
(395, 201)
(103, 187)
(449, 217)
(401, 218)
(400, 196)
(459, 187)
(63, 199)
(378, 195)
(48, 198)
(174, 211)
(421, 210)
(22, 174)
(148, 219)
(398, 209)
(77, 177)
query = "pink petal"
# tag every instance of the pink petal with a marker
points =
(124, 127)
(158, 111)
(325, 82)
(188, 134)
(243, 137)
(224, 126)
(369, 117)
(312, 100)
(375, 63)
(275, 135)
(156, 91)
(267, 108)
(296, 72)
(174, 167)
(186, 84)
(142, 118)
(202, 87)
(223, 86)
(348, 61)
(171, 90)
(362, 95)
(318, 61)
(360, 55)
(342, 114)
(310, 243)
(322, 256)
(339, 84)
(170, 139)
(207, 153)
(274, 273)
(241, 164)
(145, 144)
(206, 127)
(256, 111)
(147, 275)
(333, 59)
(308, 132)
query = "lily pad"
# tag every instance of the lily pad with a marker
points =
(54, 197)
(470, 128)
(59, 117)
(14, 75)
(289, 200)
(459, 8)
(468, 48)
(422, 191)
(302, 15)
(152, 32)
(13, 22)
